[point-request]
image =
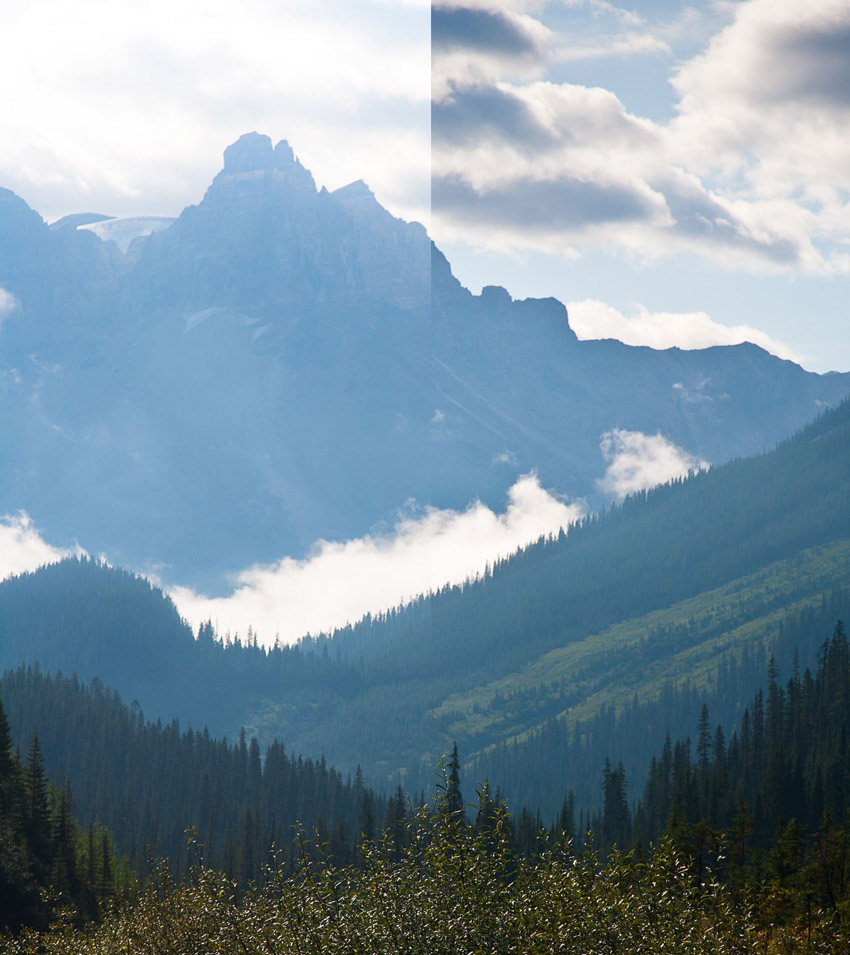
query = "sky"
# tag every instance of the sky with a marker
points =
(124, 107)
(678, 173)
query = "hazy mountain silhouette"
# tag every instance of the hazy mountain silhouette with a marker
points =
(283, 363)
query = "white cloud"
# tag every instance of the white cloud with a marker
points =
(637, 461)
(557, 166)
(765, 109)
(125, 108)
(771, 95)
(628, 43)
(481, 41)
(8, 303)
(752, 173)
(23, 549)
(591, 318)
(342, 581)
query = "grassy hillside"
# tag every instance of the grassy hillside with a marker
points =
(639, 657)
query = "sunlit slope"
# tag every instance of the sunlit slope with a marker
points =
(427, 668)
(640, 657)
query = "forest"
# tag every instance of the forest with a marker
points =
(672, 585)
(736, 843)
(155, 780)
(747, 833)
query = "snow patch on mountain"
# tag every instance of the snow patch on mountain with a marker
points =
(123, 231)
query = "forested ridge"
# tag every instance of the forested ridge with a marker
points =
(151, 782)
(48, 862)
(567, 753)
(785, 769)
(389, 693)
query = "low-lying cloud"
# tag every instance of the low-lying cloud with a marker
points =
(23, 549)
(342, 581)
(591, 318)
(637, 461)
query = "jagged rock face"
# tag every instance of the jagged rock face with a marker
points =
(264, 238)
(283, 364)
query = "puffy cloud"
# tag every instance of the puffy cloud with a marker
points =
(468, 115)
(774, 53)
(765, 109)
(23, 549)
(543, 163)
(478, 41)
(552, 208)
(594, 319)
(494, 31)
(752, 172)
(342, 581)
(631, 43)
(637, 461)
(538, 163)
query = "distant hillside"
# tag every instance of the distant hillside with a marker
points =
(669, 587)
(85, 618)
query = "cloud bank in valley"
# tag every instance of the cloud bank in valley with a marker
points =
(637, 461)
(23, 549)
(342, 581)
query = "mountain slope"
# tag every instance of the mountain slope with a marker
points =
(151, 783)
(673, 544)
(283, 363)
(676, 582)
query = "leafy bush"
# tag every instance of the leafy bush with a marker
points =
(451, 889)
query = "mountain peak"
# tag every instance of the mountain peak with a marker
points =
(250, 152)
(354, 190)
(251, 165)
(253, 152)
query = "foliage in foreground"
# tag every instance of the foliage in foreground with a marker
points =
(453, 888)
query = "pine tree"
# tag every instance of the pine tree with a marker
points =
(616, 820)
(395, 823)
(454, 798)
(64, 877)
(37, 823)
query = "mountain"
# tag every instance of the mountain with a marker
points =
(282, 364)
(687, 587)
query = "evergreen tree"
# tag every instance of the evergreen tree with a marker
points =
(454, 798)
(615, 828)
(37, 823)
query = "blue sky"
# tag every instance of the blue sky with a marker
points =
(678, 173)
